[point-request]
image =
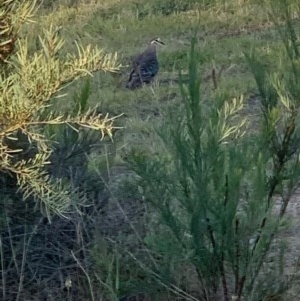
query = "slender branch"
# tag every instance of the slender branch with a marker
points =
(237, 256)
(2, 270)
(279, 163)
(240, 288)
(222, 259)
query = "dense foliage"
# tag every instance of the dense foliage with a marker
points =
(189, 200)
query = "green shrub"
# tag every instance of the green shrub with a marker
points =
(28, 84)
(43, 160)
(214, 187)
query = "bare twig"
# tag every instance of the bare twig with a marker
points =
(86, 274)
(2, 270)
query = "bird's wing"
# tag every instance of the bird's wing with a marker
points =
(149, 69)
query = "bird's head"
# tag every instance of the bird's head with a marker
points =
(157, 41)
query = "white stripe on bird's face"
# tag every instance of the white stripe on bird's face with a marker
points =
(157, 41)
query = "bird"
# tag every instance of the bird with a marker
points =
(145, 66)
